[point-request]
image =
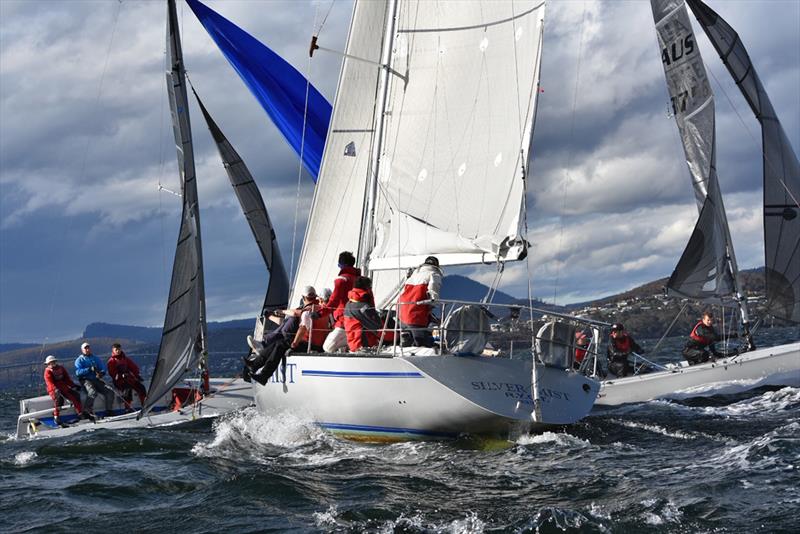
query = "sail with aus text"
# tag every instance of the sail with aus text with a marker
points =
(780, 167)
(707, 268)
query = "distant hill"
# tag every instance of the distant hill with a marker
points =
(457, 287)
(152, 334)
(5, 347)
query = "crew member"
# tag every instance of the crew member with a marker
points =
(361, 320)
(90, 371)
(422, 286)
(620, 346)
(60, 387)
(582, 341)
(700, 347)
(313, 327)
(342, 285)
(125, 374)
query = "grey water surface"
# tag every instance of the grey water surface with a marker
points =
(729, 463)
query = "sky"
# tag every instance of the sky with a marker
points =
(85, 139)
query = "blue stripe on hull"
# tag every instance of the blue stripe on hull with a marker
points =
(360, 374)
(384, 430)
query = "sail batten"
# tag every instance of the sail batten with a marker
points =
(183, 336)
(781, 170)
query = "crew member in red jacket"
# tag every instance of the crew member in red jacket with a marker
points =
(125, 374)
(348, 273)
(700, 345)
(361, 320)
(60, 386)
(620, 346)
(424, 284)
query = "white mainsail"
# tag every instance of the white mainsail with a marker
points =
(459, 118)
(457, 125)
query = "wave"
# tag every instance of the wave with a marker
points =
(248, 431)
(24, 458)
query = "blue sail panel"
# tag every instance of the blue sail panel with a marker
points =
(278, 86)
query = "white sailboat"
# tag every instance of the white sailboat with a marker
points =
(707, 271)
(183, 340)
(427, 154)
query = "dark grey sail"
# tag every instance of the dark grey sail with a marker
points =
(781, 170)
(256, 214)
(703, 271)
(707, 270)
(183, 338)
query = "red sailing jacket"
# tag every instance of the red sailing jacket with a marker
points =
(320, 327)
(703, 335)
(57, 378)
(123, 370)
(580, 342)
(341, 287)
(362, 322)
(423, 284)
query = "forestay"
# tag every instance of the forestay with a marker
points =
(459, 118)
(184, 333)
(707, 268)
(781, 170)
(256, 214)
(334, 224)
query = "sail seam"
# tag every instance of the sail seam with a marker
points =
(474, 26)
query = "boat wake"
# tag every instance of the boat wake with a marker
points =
(249, 432)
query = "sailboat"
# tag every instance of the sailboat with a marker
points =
(707, 270)
(183, 348)
(426, 155)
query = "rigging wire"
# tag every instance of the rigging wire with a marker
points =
(567, 177)
(292, 272)
(85, 157)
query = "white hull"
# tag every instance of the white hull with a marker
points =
(423, 397)
(772, 366)
(36, 419)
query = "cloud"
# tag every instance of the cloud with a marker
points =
(85, 138)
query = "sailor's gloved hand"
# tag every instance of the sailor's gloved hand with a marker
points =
(315, 315)
(289, 352)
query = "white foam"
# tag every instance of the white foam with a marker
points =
(656, 429)
(24, 458)
(246, 428)
(553, 437)
(659, 515)
(326, 518)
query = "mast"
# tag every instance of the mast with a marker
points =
(183, 133)
(183, 337)
(368, 223)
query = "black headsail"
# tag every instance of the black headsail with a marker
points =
(256, 214)
(781, 170)
(183, 339)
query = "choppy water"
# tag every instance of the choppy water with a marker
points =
(722, 464)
